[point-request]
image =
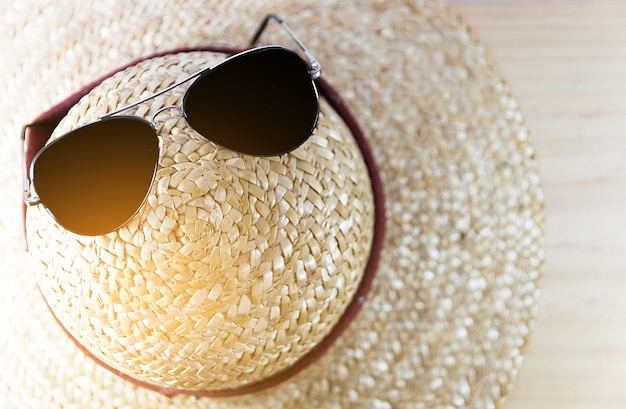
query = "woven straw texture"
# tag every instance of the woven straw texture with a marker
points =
(453, 303)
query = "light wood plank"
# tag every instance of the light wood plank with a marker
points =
(566, 63)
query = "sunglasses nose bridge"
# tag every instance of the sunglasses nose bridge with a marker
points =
(163, 109)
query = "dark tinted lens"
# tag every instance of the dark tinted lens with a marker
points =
(94, 179)
(262, 102)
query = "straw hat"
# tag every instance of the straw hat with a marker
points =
(270, 278)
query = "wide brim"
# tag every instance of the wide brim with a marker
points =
(454, 300)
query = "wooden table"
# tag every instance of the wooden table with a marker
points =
(566, 63)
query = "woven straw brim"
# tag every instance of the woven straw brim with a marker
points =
(453, 303)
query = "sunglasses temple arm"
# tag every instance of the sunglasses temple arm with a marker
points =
(315, 69)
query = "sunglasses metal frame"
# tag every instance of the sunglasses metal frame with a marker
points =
(30, 196)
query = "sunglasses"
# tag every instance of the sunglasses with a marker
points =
(95, 178)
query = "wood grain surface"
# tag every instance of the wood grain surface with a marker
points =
(566, 64)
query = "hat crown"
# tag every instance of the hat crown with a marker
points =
(234, 268)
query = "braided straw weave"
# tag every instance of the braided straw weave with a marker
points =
(452, 306)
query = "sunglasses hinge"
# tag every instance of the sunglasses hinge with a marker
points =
(315, 68)
(30, 198)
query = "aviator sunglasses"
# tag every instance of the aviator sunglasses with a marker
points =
(94, 179)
